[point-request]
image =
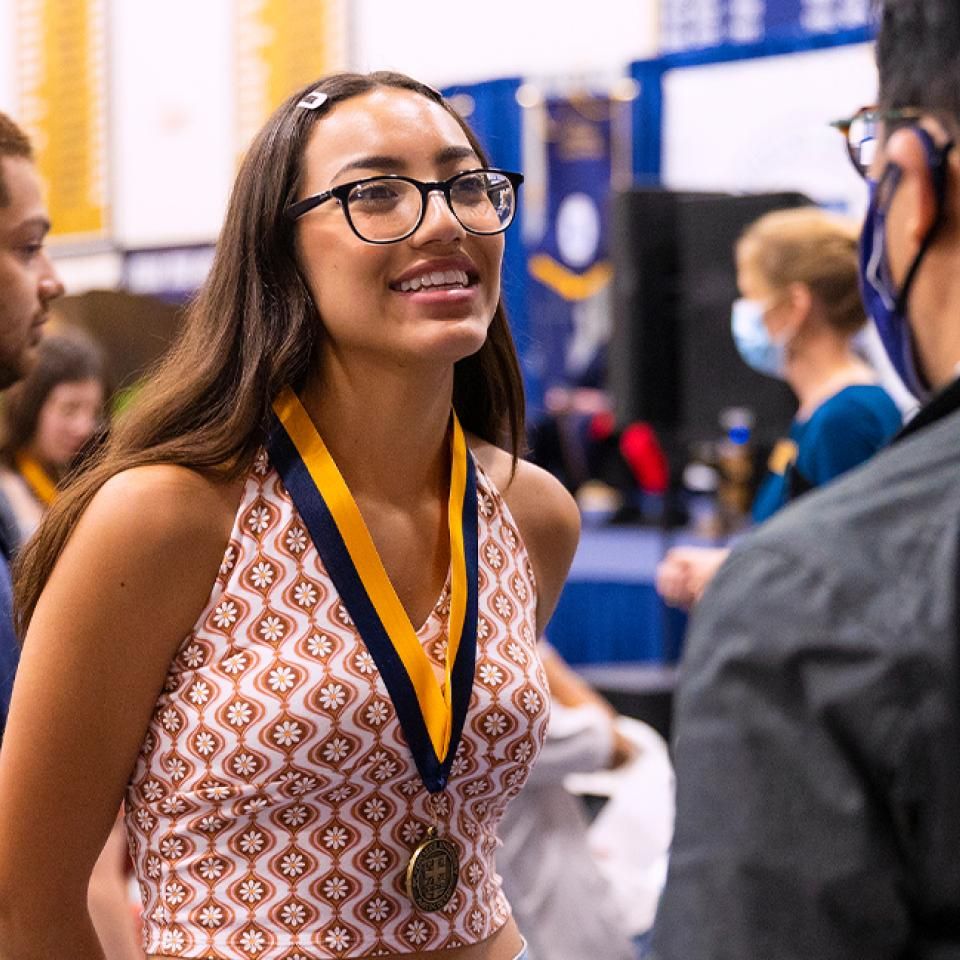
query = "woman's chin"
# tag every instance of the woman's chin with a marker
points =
(452, 340)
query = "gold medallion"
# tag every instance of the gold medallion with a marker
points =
(432, 872)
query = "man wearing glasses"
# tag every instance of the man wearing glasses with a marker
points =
(818, 724)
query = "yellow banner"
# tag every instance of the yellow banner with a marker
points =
(280, 46)
(570, 285)
(61, 102)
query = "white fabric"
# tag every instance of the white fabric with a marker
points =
(560, 899)
(630, 838)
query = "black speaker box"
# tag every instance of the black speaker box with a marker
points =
(672, 361)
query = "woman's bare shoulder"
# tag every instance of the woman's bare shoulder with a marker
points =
(168, 479)
(160, 527)
(156, 536)
(165, 500)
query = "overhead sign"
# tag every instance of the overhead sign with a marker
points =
(60, 89)
(170, 273)
(280, 46)
(692, 24)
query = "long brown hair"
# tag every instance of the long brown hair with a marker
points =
(252, 329)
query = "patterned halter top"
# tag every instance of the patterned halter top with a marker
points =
(275, 804)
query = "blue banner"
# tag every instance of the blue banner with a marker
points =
(491, 109)
(696, 24)
(569, 269)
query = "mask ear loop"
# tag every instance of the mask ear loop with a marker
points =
(876, 269)
(937, 164)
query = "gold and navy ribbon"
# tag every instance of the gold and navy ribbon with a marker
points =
(41, 484)
(431, 715)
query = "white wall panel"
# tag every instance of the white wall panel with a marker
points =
(763, 124)
(172, 110)
(443, 44)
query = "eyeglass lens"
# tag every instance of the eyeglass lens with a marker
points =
(862, 139)
(388, 209)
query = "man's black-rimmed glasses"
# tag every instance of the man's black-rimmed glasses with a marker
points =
(862, 131)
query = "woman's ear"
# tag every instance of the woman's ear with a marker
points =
(795, 307)
(801, 299)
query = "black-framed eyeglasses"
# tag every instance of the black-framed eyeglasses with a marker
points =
(389, 208)
(863, 130)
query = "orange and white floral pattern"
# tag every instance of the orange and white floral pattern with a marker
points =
(275, 803)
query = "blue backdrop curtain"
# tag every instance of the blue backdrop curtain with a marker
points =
(495, 118)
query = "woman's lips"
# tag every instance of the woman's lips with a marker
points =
(446, 295)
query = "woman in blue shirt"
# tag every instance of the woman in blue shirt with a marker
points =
(799, 312)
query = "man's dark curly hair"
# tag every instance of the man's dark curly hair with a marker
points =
(13, 143)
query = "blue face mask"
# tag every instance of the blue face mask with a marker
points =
(754, 343)
(885, 305)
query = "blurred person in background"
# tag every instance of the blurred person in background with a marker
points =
(28, 285)
(48, 419)
(817, 726)
(578, 441)
(799, 312)
(290, 610)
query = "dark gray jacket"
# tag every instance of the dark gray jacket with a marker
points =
(817, 729)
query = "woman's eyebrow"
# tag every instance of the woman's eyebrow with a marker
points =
(452, 154)
(382, 162)
(393, 164)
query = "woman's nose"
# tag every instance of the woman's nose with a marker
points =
(439, 221)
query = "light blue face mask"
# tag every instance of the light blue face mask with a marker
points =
(754, 343)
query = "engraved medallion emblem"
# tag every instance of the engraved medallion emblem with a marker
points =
(432, 872)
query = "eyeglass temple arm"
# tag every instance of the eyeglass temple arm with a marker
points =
(298, 209)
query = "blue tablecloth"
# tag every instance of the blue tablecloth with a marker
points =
(609, 610)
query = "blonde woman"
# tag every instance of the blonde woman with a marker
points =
(796, 319)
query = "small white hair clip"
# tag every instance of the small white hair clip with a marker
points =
(314, 99)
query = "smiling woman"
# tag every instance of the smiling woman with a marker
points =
(309, 666)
